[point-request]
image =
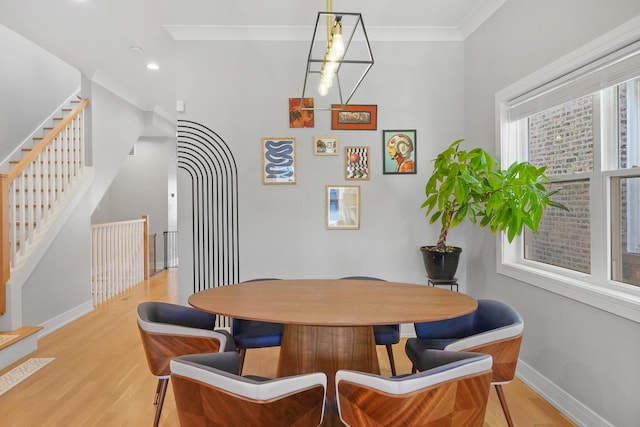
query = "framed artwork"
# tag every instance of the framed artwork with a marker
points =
(301, 115)
(356, 163)
(325, 145)
(279, 160)
(343, 207)
(399, 151)
(354, 117)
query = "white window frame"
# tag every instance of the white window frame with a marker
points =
(595, 289)
(633, 215)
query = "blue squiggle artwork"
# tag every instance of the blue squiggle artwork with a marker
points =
(279, 161)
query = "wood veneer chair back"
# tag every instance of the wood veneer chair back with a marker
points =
(495, 328)
(210, 392)
(170, 330)
(453, 392)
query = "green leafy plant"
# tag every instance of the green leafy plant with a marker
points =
(471, 185)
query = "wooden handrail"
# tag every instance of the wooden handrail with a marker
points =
(42, 145)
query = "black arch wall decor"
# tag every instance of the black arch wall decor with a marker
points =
(207, 159)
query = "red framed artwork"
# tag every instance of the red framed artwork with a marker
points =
(354, 117)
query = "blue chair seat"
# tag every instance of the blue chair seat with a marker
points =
(387, 334)
(415, 348)
(255, 334)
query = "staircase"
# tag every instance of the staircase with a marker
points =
(38, 180)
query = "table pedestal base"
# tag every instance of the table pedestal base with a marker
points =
(307, 348)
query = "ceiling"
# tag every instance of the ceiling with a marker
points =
(97, 36)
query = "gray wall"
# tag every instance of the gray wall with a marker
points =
(589, 354)
(33, 83)
(241, 90)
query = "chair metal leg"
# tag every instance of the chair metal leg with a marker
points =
(503, 403)
(391, 360)
(163, 390)
(155, 400)
(243, 352)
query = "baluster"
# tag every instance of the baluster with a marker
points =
(65, 159)
(81, 142)
(31, 192)
(13, 232)
(21, 217)
(38, 178)
(58, 170)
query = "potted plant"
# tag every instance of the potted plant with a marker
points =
(471, 185)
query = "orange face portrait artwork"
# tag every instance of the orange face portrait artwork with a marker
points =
(400, 149)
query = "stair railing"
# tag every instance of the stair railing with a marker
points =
(34, 187)
(119, 257)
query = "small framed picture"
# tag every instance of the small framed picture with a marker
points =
(356, 163)
(399, 151)
(325, 145)
(301, 113)
(354, 117)
(343, 207)
(279, 160)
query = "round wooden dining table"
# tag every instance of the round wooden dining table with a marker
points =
(328, 323)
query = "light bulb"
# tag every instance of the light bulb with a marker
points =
(337, 47)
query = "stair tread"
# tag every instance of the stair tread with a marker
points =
(22, 333)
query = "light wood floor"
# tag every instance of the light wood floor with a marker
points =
(100, 377)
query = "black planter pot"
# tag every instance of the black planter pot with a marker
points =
(441, 265)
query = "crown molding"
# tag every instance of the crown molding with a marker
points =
(469, 24)
(478, 16)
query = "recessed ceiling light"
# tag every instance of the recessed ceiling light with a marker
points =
(153, 66)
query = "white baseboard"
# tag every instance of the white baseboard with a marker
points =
(65, 318)
(563, 401)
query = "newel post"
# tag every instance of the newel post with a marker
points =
(146, 245)
(5, 267)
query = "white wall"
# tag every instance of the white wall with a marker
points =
(61, 282)
(33, 83)
(141, 188)
(590, 356)
(116, 126)
(59, 289)
(241, 89)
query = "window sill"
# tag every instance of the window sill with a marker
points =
(624, 303)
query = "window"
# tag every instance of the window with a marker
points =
(584, 125)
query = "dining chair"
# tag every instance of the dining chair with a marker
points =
(170, 330)
(255, 334)
(494, 328)
(453, 391)
(209, 391)
(385, 335)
